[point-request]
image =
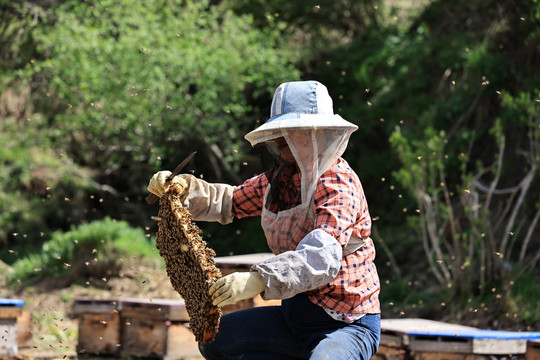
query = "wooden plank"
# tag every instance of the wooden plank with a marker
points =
(440, 345)
(10, 312)
(499, 346)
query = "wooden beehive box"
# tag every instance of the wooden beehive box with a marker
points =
(533, 350)
(10, 309)
(99, 326)
(422, 339)
(154, 328)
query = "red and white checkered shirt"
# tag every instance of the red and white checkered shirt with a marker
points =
(341, 210)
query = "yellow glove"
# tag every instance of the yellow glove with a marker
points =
(158, 183)
(237, 286)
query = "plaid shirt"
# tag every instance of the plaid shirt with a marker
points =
(341, 210)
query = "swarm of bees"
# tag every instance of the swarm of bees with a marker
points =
(189, 262)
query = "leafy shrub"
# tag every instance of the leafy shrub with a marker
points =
(94, 250)
(476, 230)
(37, 185)
(527, 294)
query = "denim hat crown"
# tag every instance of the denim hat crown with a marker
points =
(299, 105)
(301, 97)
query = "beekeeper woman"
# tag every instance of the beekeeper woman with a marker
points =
(316, 221)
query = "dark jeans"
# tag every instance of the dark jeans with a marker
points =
(298, 329)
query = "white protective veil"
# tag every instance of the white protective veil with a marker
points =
(302, 113)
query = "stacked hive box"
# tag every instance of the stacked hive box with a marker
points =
(99, 326)
(156, 328)
(152, 328)
(133, 327)
(10, 310)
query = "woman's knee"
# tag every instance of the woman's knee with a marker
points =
(348, 343)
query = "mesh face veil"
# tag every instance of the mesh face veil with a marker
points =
(314, 151)
(302, 114)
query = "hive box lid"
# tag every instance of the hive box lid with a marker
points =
(10, 308)
(165, 309)
(11, 302)
(435, 336)
(91, 305)
(243, 260)
(424, 327)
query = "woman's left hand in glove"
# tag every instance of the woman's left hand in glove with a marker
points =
(235, 287)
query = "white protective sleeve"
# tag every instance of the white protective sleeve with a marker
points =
(315, 262)
(208, 202)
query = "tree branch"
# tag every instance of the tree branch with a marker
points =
(525, 184)
(217, 154)
(529, 235)
(387, 251)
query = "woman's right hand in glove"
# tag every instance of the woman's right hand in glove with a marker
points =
(205, 201)
(157, 183)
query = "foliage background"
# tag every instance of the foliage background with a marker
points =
(96, 96)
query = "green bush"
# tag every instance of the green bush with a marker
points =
(96, 249)
(116, 90)
(37, 185)
(136, 82)
(527, 295)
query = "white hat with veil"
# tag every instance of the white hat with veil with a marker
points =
(302, 113)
